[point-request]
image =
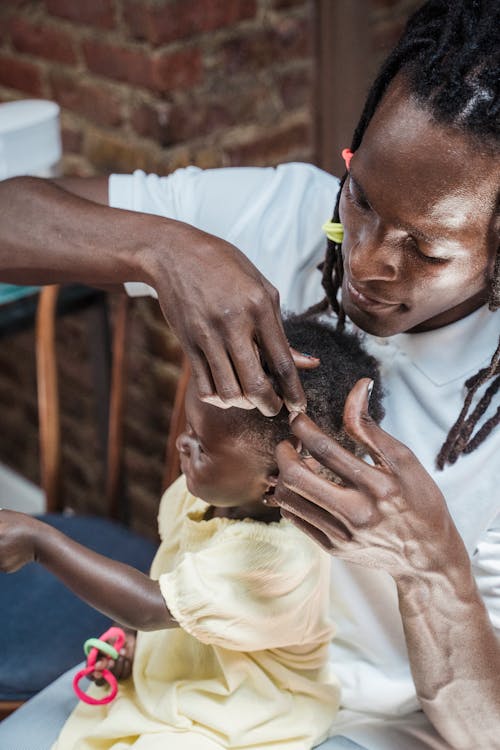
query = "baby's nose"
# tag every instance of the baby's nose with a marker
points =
(182, 444)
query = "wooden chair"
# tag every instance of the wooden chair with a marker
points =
(44, 624)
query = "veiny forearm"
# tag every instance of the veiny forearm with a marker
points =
(454, 655)
(51, 235)
(115, 589)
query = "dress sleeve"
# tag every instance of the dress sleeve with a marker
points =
(486, 569)
(252, 587)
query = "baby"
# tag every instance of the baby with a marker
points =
(234, 619)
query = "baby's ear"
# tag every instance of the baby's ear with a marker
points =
(272, 478)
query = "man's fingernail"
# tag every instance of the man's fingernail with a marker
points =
(309, 356)
(369, 390)
(293, 415)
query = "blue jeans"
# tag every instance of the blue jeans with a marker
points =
(36, 725)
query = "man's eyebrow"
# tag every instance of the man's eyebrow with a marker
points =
(359, 189)
(413, 231)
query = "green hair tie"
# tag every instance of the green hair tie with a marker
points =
(334, 231)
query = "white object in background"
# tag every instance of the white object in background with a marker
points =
(30, 138)
(17, 493)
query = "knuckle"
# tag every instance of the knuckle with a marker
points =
(259, 385)
(365, 518)
(284, 367)
(322, 449)
(257, 298)
(401, 454)
(205, 392)
(229, 396)
(274, 295)
(387, 489)
(201, 334)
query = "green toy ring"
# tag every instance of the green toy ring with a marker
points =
(103, 646)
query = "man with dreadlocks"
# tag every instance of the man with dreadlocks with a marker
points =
(415, 534)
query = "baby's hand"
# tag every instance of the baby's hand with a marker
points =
(18, 539)
(122, 667)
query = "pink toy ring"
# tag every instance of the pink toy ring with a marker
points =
(85, 697)
(93, 653)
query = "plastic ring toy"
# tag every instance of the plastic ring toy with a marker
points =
(100, 645)
(85, 697)
(92, 648)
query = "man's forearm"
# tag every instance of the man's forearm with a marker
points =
(51, 235)
(454, 656)
(115, 589)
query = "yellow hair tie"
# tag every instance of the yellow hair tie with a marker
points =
(334, 231)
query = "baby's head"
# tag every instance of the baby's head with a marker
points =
(227, 455)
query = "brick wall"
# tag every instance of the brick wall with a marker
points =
(158, 85)
(152, 84)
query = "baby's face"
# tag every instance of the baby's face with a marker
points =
(220, 468)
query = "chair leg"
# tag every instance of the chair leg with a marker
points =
(115, 485)
(8, 707)
(99, 343)
(48, 397)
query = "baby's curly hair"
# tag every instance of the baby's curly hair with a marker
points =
(343, 363)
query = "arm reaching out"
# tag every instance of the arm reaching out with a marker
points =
(113, 588)
(225, 313)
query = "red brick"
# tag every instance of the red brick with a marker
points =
(120, 63)
(20, 75)
(171, 70)
(160, 72)
(287, 40)
(96, 102)
(271, 148)
(161, 23)
(42, 41)
(98, 13)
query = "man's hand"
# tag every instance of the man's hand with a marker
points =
(227, 317)
(390, 515)
(225, 313)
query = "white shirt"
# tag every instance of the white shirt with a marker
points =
(274, 215)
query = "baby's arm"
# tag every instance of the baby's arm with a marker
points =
(115, 589)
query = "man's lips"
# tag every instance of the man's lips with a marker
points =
(364, 301)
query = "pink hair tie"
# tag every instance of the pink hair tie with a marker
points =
(347, 155)
(92, 647)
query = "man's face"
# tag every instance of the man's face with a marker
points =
(418, 209)
(220, 467)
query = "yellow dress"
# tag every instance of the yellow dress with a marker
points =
(248, 666)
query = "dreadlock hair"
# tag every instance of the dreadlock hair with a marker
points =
(449, 57)
(343, 363)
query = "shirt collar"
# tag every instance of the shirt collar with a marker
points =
(453, 351)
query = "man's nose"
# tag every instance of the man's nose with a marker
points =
(373, 255)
